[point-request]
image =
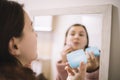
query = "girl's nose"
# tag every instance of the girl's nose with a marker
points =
(76, 36)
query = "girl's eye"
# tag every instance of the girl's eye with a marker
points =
(72, 34)
(81, 34)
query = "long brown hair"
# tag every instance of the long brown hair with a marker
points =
(11, 25)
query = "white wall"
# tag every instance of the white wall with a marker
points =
(114, 70)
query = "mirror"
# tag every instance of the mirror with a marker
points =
(101, 12)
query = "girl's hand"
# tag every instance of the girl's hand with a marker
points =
(92, 62)
(76, 74)
(65, 51)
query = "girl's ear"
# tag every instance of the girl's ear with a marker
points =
(13, 48)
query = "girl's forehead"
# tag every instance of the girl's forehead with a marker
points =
(77, 28)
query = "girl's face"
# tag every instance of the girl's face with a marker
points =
(77, 37)
(28, 44)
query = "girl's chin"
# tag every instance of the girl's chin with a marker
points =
(76, 48)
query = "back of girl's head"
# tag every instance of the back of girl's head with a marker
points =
(11, 25)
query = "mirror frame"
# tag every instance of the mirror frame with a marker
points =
(106, 11)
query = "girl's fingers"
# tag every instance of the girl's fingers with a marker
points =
(69, 71)
(67, 49)
(75, 70)
(87, 55)
(80, 75)
(92, 56)
(82, 67)
(82, 71)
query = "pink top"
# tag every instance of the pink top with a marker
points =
(62, 74)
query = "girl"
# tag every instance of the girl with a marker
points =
(76, 38)
(18, 41)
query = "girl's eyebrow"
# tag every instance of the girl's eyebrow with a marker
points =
(79, 31)
(82, 31)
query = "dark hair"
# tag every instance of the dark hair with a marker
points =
(75, 25)
(11, 25)
(16, 73)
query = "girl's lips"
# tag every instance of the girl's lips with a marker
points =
(76, 43)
